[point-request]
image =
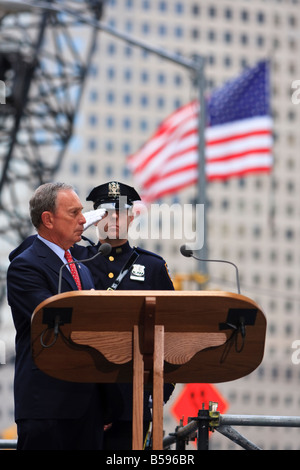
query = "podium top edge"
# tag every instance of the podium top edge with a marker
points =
(147, 293)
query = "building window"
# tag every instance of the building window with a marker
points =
(228, 13)
(162, 30)
(144, 101)
(211, 35)
(126, 172)
(129, 4)
(195, 10)
(162, 6)
(111, 73)
(292, 21)
(128, 51)
(74, 168)
(111, 49)
(244, 15)
(127, 99)
(177, 80)
(127, 75)
(109, 146)
(127, 123)
(92, 169)
(212, 12)
(195, 33)
(128, 26)
(160, 102)
(93, 95)
(110, 122)
(145, 28)
(244, 39)
(228, 37)
(144, 76)
(227, 61)
(179, 8)
(126, 148)
(161, 78)
(92, 144)
(289, 234)
(178, 32)
(146, 5)
(93, 120)
(256, 254)
(108, 171)
(143, 125)
(260, 17)
(110, 97)
(93, 70)
(257, 231)
(260, 40)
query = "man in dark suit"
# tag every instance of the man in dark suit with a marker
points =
(50, 414)
(139, 269)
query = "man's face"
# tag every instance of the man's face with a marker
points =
(66, 224)
(114, 225)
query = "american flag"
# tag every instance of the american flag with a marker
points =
(238, 138)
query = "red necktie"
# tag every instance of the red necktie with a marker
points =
(73, 269)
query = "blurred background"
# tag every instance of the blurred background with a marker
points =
(87, 83)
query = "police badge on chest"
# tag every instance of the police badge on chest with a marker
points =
(137, 272)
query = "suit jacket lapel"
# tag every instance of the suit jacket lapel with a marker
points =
(53, 262)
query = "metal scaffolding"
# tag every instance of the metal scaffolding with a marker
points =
(43, 69)
(210, 420)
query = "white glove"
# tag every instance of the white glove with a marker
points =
(93, 217)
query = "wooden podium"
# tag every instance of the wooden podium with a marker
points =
(148, 338)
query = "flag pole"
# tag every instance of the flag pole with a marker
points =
(201, 185)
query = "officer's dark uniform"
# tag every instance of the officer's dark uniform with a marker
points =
(147, 271)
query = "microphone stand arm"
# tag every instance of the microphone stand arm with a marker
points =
(223, 261)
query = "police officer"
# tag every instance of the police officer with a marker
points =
(125, 268)
(146, 270)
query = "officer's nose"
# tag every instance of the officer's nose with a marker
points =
(114, 214)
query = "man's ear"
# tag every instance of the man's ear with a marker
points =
(47, 219)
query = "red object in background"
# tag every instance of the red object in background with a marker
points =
(192, 398)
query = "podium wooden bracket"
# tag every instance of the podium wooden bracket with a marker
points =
(148, 364)
(138, 392)
(147, 327)
(138, 389)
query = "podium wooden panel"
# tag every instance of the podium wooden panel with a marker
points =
(148, 337)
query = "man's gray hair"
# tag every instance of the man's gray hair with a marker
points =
(44, 199)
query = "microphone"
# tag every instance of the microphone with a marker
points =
(104, 250)
(188, 253)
